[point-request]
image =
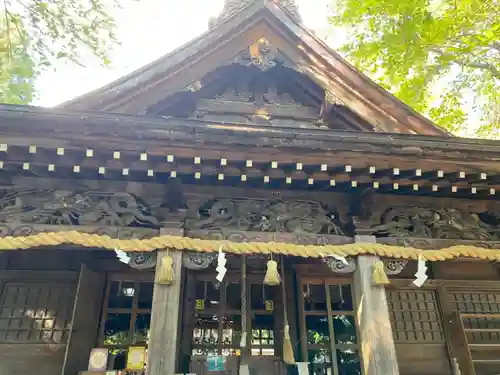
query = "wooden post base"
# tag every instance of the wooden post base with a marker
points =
(378, 353)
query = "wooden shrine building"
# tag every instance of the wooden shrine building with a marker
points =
(162, 210)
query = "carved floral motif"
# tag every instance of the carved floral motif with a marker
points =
(263, 215)
(446, 223)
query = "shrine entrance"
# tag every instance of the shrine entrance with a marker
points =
(328, 326)
(215, 312)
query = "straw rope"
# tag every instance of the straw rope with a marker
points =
(200, 245)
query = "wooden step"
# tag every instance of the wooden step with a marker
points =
(486, 361)
(480, 316)
(493, 330)
(484, 346)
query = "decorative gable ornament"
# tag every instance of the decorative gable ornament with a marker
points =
(263, 55)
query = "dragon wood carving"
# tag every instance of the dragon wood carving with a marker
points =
(445, 223)
(263, 215)
(61, 207)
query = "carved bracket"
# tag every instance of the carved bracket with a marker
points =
(394, 266)
(340, 265)
(197, 261)
(142, 260)
(348, 265)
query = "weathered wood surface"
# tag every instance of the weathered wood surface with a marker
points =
(165, 315)
(21, 229)
(23, 359)
(174, 72)
(254, 236)
(86, 313)
(378, 352)
(422, 359)
(94, 132)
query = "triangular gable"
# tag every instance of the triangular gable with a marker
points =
(261, 19)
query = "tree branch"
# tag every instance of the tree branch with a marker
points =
(483, 66)
(476, 65)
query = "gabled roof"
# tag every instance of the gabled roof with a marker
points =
(259, 19)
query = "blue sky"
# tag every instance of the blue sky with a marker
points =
(148, 29)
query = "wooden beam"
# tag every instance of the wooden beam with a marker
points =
(378, 352)
(165, 314)
(40, 275)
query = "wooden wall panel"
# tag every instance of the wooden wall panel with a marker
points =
(35, 316)
(466, 270)
(418, 332)
(25, 359)
(418, 359)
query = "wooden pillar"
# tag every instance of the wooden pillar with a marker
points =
(378, 353)
(165, 315)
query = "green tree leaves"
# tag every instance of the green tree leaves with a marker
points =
(442, 57)
(16, 67)
(36, 33)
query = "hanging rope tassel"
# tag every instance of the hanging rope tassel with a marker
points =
(244, 369)
(166, 271)
(272, 276)
(379, 277)
(288, 356)
(456, 368)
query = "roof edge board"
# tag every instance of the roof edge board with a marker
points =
(34, 114)
(338, 63)
(179, 69)
(118, 93)
(175, 57)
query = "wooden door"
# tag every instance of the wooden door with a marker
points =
(328, 327)
(212, 323)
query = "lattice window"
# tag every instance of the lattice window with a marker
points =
(415, 316)
(329, 328)
(126, 316)
(471, 302)
(35, 312)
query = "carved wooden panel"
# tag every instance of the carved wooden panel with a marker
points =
(35, 312)
(415, 316)
(62, 207)
(443, 223)
(264, 215)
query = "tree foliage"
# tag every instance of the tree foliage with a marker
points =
(36, 33)
(16, 68)
(441, 57)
